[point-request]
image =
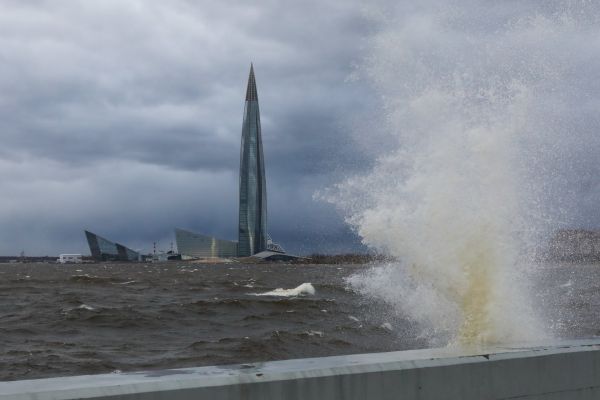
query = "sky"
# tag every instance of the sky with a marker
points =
(124, 117)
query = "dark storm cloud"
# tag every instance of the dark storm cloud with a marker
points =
(125, 118)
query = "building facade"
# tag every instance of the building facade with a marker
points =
(252, 232)
(203, 246)
(105, 250)
(252, 223)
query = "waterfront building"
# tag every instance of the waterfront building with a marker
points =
(203, 246)
(253, 237)
(252, 233)
(104, 250)
(69, 258)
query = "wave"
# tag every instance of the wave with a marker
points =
(304, 289)
(458, 196)
(253, 301)
(91, 279)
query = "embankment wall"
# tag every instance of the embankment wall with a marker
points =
(559, 370)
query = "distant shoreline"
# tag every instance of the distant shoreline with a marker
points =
(332, 259)
(310, 259)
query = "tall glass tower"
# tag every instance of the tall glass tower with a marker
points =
(253, 189)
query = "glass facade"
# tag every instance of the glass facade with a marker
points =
(253, 190)
(202, 246)
(252, 229)
(105, 250)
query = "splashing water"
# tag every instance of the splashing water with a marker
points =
(461, 95)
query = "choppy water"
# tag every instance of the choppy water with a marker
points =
(61, 320)
(66, 320)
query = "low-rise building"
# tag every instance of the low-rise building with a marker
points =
(105, 250)
(69, 258)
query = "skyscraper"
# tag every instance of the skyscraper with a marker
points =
(252, 233)
(252, 228)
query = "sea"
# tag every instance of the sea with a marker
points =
(59, 320)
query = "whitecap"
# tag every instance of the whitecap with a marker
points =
(315, 333)
(386, 326)
(304, 289)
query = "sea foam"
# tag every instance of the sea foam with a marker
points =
(303, 289)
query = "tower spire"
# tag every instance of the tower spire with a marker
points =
(252, 234)
(251, 94)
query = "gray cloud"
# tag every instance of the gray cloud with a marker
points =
(124, 117)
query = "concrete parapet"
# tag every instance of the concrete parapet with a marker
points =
(559, 370)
